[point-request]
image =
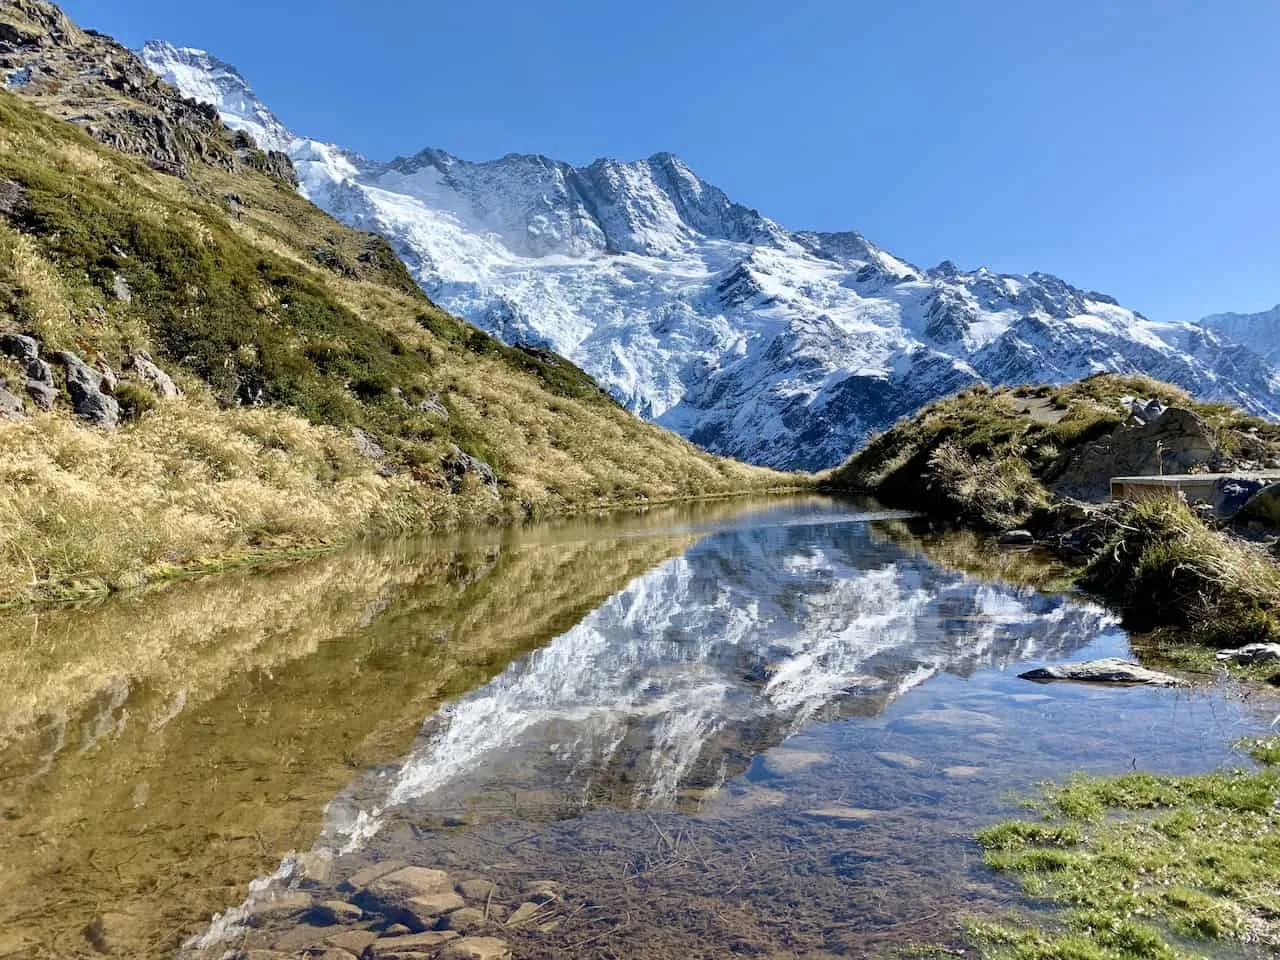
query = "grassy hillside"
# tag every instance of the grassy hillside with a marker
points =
(1000, 459)
(286, 332)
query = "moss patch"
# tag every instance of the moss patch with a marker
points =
(1145, 866)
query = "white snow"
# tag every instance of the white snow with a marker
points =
(784, 348)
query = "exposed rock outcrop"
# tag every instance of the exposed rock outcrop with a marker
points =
(458, 465)
(1176, 441)
(157, 379)
(89, 399)
(10, 403)
(1252, 653)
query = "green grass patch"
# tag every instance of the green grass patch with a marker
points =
(1144, 866)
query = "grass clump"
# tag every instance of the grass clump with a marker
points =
(1164, 567)
(1144, 865)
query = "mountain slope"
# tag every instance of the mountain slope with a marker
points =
(779, 347)
(1260, 332)
(322, 394)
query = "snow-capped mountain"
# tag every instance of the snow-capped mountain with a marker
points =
(1259, 332)
(774, 346)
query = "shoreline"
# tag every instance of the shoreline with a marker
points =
(54, 593)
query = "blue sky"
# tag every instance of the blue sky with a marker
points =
(1131, 147)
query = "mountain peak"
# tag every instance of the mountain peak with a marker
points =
(202, 76)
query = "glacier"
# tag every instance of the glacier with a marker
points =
(779, 347)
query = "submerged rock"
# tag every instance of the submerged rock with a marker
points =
(408, 945)
(414, 896)
(1109, 670)
(1252, 653)
(477, 948)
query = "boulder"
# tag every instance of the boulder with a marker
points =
(459, 465)
(366, 445)
(1251, 653)
(88, 399)
(1109, 670)
(158, 380)
(1176, 441)
(26, 350)
(433, 407)
(1262, 509)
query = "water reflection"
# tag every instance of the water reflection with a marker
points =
(447, 700)
(675, 683)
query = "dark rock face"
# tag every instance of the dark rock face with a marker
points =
(89, 399)
(94, 82)
(459, 465)
(26, 350)
(43, 395)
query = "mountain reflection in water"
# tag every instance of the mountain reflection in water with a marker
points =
(679, 680)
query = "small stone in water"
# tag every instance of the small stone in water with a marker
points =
(476, 888)
(477, 948)
(901, 761)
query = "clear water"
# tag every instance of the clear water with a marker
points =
(762, 728)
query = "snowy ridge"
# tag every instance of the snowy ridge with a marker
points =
(777, 347)
(1259, 332)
